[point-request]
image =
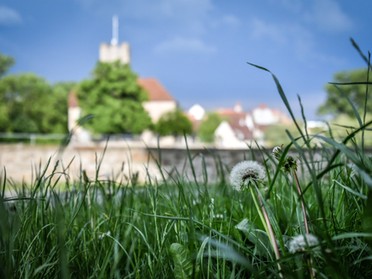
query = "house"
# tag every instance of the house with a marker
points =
(159, 100)
(196, 112)
(240, 128)
(79, 134)
(264, 116)
(236, 130)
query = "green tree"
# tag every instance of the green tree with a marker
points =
(208, 126)
(30, 106)
(336, 103)
(115, 99)
(173, 123)
(5, 63)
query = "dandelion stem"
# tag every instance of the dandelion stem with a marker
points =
(310, 262)
(266, 223)
(302, 201)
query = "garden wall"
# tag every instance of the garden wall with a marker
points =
(23, 162)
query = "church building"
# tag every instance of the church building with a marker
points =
(159, 100)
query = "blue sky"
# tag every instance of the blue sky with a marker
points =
(197, 49)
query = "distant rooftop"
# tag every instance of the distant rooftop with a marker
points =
(155, 90)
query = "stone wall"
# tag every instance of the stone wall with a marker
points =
(23, 162)
(118, 161)
(202, 164)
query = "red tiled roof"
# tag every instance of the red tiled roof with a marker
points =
(155, 90)
(241, 132)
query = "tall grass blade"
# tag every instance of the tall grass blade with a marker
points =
(356, 46)
(282, 95)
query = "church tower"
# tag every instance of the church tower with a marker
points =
(113, 51)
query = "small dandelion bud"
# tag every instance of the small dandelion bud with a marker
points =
(290, 164)
(246, 172)
(277, 152)
(299, 243)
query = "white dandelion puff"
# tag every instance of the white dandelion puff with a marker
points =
(245, 172)
(301, 242)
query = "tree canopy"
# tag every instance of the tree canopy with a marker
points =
(337, 103)
(114, 97)
(173, 123)
(5, 63)
(208, 126)
(29, 104)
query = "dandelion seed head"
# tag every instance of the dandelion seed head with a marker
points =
(277, 152)
(246, 172)
(301, 242)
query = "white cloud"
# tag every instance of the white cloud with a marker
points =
(260, 29)
(190, 16)
(186, 8)
(328, 15)
(9, 16)
(294, 6)
(180, 44)
(292, 36)
(230, 20)
(224, 21)
(161, 9)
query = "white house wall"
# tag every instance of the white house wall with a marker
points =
(225, 137)
(157, 108)
(264, 116)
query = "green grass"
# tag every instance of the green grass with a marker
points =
(180, 229)
(175, 228)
